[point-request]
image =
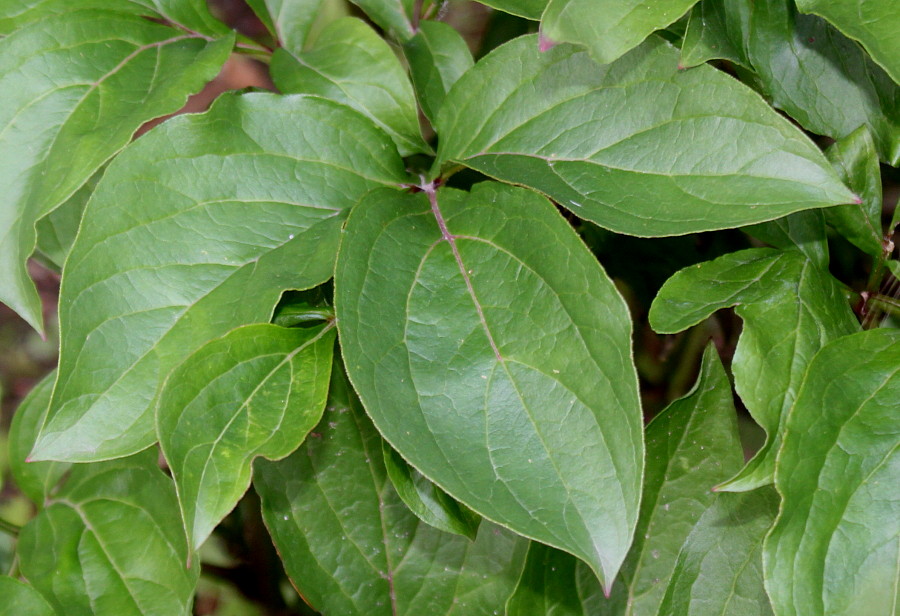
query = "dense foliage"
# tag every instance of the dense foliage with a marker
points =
(390, 301)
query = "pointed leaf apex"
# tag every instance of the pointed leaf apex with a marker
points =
(545, 44)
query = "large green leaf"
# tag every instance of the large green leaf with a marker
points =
(691, 446)
(186, 238)
(719, 569)
(636, 146)
(351, 64)
(75, 88)
(392, 15)
(804, 231)
(500, 375)
(437, 56)
(110, 543)
(856, 161)
(352, 547)
(790, 309)
(257, 391)
(609, 28)
(56, 231)
(810, 70)
(834, 547)
(20, 599)
(34, 479)
(874, 23)
(529, 9)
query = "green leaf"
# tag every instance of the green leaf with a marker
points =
(56, 231)
(205, 210)
(427, 501)
(391, 15)
(712, 33)
(873, 23)
(502, 377)
(289, 21)
(834, 549)
(20, 599)
(856, 161)
(15, 14)
(437, 56)
(790, 309)
(257, 391)
(803, 231)
(719, 568)
(352, 547)
(76, 87)
(34, 479)
(111, 543)
(529, 9)
(608, 28)
(547, 584)
(691, 446)
(636, 146)
(810, 70)
(352, 65)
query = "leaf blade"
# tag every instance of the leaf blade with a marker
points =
(231, 229)
(457, 333)
(255, 392)
(71, 104)
(518, 116)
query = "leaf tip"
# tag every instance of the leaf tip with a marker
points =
(857, 199)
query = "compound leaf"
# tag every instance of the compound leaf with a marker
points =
(257, 391)
(110, 543)
(350, 544)
(790, 309)
(608, 28)
(636, 146)
(834, 548)
(502, 377)
(205, 210)
(76, 87)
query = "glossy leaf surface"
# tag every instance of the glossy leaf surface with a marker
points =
(110, 543)
(790, 310)
(257, 391)
(352, 547)
(834, 547)
(810, 70)
(20, 599)
(856, 161)
(427, 501)
(692, 445)
(719, 569)
(205, 210)
(503, 378)
(636, 146)
(873, 23)
(34, 479)
(608, 28)
(437, 56)
(75, 90)
(378, 88)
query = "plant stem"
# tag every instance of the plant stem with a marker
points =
(9, 528)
